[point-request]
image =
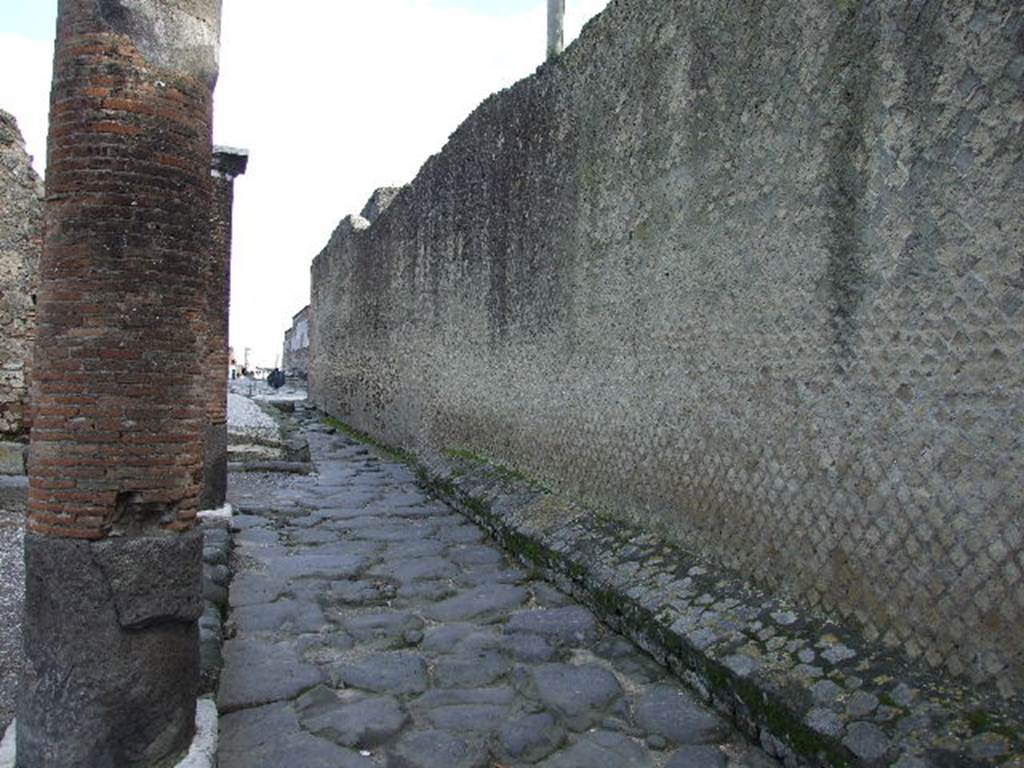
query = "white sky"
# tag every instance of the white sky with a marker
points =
(332, 99)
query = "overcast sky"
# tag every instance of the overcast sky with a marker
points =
(333, 99)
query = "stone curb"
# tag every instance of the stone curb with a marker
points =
(286, 467)
(811, 691)
(216, 578)
(202, 753)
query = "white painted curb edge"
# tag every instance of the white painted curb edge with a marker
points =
(7, 747)
(202, 753)
(222, 513)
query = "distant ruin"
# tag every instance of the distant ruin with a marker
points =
(295, 355)
(747, 275)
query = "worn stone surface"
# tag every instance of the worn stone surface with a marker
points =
(697, 757)
(21, 232)
(103, 682)
(745, 274)
(422, 654)
(674, 715)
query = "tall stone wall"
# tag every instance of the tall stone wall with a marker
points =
(748, 274)
(21, 232)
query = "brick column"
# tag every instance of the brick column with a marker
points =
(228, 164)
(112, 560)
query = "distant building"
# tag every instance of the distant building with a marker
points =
(295, 359)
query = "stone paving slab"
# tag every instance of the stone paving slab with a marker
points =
(371, 626)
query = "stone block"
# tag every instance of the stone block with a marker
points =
(12, 458)
(111, 650)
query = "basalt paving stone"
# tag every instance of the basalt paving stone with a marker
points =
(416, 569)
(579, 696)
(530, 738)
(318, 566)
(485, 602)
(284, 615)
(348, 594)
(673, 714)
(569, 625)
(271, 737)
(398, 532)
(437, 749)
(421, 592)
(392, 673)
(254, 588)
(311, 537)
(529, 648)
(381, 629)
(397, 551)
(697, 756)
(362, 723)
(602, 749)
(384, 628)
(471, 669)
(475, 718)
(260, 672)
(490, 574)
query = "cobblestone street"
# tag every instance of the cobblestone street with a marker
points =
(373, 626)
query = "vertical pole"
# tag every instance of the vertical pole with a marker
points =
(228, 164)
(112, 557)
(556, 27)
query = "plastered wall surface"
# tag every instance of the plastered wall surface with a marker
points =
(21, 230)
(747, 274)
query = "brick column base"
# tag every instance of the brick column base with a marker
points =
(120, 616)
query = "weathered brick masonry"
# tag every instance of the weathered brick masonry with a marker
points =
(119, 395)
(228, 164)
(748, 274)
(21, 240)
(120, 401)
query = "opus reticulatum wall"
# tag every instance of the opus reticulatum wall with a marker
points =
(746, 274)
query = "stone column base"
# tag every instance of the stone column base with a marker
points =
(111, 650)
(202, 753)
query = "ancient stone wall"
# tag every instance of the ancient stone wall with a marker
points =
(748, 274)
(21, 232)
(295, 358)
